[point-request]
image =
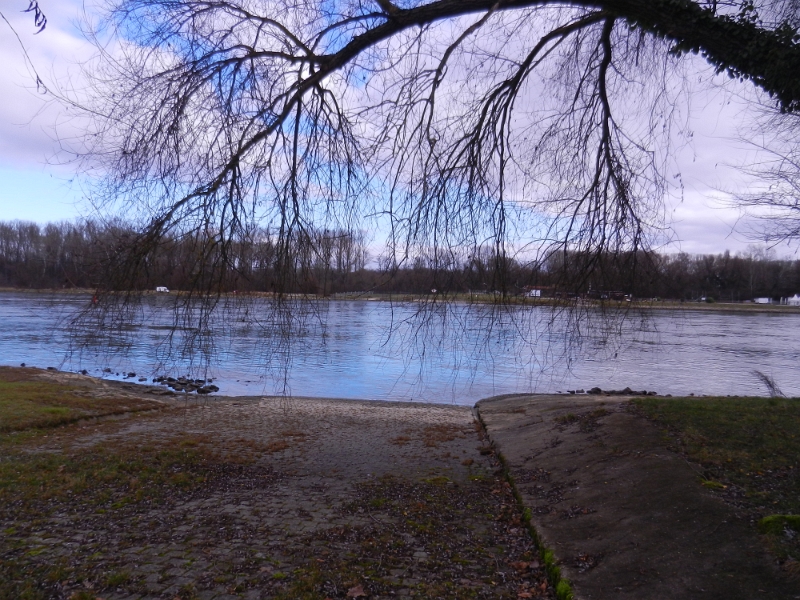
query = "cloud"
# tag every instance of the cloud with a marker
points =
(711, 169)
(707, 166)
(31, 121)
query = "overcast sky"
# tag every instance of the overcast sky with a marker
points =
(38, 184)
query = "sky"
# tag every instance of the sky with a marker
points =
(35, 183)
(38, 181)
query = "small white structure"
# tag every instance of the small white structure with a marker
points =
(762, 300)
(162, 290)
(793, 300)
(534, 294)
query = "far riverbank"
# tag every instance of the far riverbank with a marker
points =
(465, 298)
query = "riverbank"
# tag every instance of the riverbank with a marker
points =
(262, 497)
(258, 498)
(474, 298)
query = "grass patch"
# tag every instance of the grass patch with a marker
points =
(713, 485)
(438, 480)
(117, 579)
(29, 582)
(103, 476)
(28, 403)
(587, 421)
(778, 524)
(749, 449)
(107, 486)
(566, 419)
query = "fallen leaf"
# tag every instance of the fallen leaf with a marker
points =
(520, 565)
(356, 592)
(524, 595)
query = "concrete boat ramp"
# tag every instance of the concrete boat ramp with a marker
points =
(625, 517)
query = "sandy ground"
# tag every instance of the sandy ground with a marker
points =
(305, 498)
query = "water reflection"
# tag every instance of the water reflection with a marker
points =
(444, 354)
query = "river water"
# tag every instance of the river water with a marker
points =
(454, 354)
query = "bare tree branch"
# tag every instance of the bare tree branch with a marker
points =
(536, 127)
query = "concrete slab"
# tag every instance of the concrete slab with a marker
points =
(626, 517)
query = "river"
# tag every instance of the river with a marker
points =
(455, 354)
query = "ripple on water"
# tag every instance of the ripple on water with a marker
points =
(462, 357)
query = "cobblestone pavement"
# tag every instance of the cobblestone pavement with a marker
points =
(266, 498)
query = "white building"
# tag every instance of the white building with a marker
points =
(793, 300)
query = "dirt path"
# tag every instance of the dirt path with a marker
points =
(305, 498)
(626, 517)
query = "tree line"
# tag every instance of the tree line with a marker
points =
(89, 254)
(70, 255)
(460, 122)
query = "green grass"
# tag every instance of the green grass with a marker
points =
(27, 402)
(776, 524)
(105, 483)
(103, 476)
(739, 437)
(18, 412)
(749, 445)
(117, 579)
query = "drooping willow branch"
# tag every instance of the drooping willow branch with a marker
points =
(216, 117)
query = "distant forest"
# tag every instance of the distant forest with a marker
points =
(79, 255)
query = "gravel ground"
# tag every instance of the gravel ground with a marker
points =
(273, 498)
